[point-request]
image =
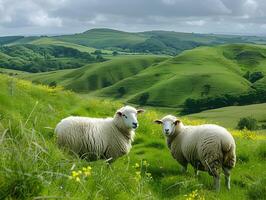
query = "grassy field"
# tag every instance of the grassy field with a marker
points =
(168, 81)
(32, 166)
(53, 41)
(229, 116)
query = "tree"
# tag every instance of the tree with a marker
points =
(206, 89)
(97, 52)
(115, 53)
(53, 84)
(255, 76)
(248, 123)
(144, 98)
(121, 91)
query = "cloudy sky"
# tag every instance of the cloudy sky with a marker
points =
(31, 17)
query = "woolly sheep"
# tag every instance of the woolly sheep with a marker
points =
(206, 147)
(98, 138)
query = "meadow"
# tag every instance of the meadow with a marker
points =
(33, 167)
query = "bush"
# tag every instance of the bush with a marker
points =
(53, 84)
(121, 91)
(144, 98)
(248, 123)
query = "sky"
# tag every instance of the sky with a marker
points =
(49, 17)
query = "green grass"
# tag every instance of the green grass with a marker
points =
(103, 38)
(229, 116)
(152, 42)
(168, 81)
(32, 166)
(53, 41)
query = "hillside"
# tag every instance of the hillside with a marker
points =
(152, 42)
(32, 166)
(203, 72)
(229, 116)
(40, 58)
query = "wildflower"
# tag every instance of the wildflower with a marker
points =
(148, 175)
(77, 179)
(138, 176)
(137, 165)
(145, 163)
(75, 174)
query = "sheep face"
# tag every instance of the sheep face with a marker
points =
(169, 124)
(128, 115)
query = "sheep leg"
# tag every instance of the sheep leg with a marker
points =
(183, 169)
(227, 177)
(216, 183)
(196, 171)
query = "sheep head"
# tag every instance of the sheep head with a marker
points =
(169, 124)
(128, 116)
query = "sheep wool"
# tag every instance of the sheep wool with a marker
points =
(206, 147)
(97, 138)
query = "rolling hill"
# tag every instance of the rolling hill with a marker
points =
(229, 116)
(37, 58)
(33, 167)
(160, 81)
(152, 42)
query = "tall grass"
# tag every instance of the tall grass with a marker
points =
(32, 166)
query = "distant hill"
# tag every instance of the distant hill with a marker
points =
(200, 73)
(229, 116)
(153, 42)
(41, 58)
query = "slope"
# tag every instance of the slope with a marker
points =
(199, 73)
(229, 116)
(33, 167)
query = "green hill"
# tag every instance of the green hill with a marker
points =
(156, 42)
(33, 167)
(104, 38)
(229, 116)
(37, 58)
(199, 73)
(152, 42)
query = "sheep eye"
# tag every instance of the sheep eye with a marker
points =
(125, 116)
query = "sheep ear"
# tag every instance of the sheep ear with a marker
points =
(140, 111)
(177, 122)
(158, 121)
(119, 113)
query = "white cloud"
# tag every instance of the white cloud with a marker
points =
(51, 16)
(196, 23)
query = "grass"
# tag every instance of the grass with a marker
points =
(53, 41)
(169, 81)
(229, 116)
(32, 166)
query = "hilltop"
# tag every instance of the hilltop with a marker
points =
(155, 42)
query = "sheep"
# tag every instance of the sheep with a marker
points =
(99, 138)
(206, 147)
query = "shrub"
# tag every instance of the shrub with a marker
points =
(255, 76)
(121, 91)
(53, 84)
(144, 98)
(247, 123)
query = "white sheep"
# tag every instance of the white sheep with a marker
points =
(98, 138)
(206, 147)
